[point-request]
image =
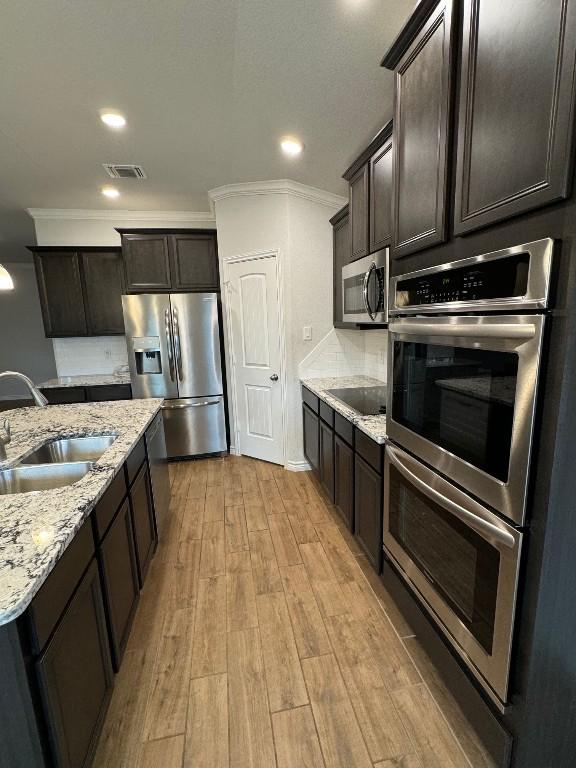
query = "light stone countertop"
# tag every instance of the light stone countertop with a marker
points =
(36, 527)
(87, 380)
(373, 426)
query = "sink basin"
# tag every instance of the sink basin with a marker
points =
(41, 477)
(70, 449)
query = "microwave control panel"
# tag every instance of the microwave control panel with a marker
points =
(504, 278)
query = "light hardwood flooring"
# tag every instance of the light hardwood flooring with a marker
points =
(263, 639)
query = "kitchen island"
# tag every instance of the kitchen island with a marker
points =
(73, 560)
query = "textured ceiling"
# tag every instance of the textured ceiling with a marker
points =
(207, 86)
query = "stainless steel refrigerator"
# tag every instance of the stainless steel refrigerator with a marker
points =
(173, 345)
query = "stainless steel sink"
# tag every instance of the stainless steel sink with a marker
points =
(42, 477)
(70, 449)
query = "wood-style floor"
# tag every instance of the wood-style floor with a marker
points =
(264, 640)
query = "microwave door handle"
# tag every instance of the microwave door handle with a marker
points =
(169, 342)
(483, 527)
(493, 331)
(367, 277)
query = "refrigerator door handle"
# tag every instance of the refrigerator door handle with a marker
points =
(169, 342)
(177, 347)
(179, 406)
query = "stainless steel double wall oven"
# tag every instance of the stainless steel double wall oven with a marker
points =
(465, 346)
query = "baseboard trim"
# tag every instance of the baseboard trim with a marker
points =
(298, 466)
(232, 451)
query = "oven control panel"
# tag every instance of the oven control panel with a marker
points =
(504, 278)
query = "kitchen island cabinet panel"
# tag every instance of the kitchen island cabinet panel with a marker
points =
(143, 521)
(120, 580)
(76, 677)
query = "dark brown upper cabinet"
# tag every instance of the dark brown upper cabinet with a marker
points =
(381, 198)
(194, 262)
(421, 58)
(516, 109)
(80, 290)
(341, 249)
(60, 289)
(359, 200)
(103, 274)
(164, 260)
(147, 262)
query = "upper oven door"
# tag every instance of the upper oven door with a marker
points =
(461, 558)
(365, 289)
(463, 399)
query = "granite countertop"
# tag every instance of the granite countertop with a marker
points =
(500, 389)
(36, 527)
(373, 426)
(88, 380)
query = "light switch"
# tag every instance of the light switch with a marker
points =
(307, 333)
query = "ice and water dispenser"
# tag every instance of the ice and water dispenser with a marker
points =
(147, 354)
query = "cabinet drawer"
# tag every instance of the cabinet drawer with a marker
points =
(370, 451)
(111, 392)
(108, 505)
(344, 428)
(134, 461)
(50, 602)
(310, 399)
(326, 413)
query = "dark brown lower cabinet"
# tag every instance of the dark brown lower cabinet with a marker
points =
(63, 395)
(117, 557)
(143, 521)
(327, 459)
(368, 511)
(344, 480)
(76, 677)
(311, 426)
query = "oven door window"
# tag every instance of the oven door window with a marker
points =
(462, 566)
(354, 295)
(460, 399)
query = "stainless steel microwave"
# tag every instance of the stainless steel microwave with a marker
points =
(365, 289)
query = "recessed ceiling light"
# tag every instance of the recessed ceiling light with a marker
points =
(112, 119)
(110, 192)
(291, 146)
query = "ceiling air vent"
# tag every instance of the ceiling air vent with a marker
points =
(124, 171)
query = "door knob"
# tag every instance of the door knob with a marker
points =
(274, 377)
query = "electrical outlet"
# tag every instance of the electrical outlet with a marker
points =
(307, 333)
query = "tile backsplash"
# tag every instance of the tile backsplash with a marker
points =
(348, 353)
(98, 354)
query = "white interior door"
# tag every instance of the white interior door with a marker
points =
(257, 375)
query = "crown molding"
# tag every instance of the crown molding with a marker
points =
(75, 214)
(278, 187)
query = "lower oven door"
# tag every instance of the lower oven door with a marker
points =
(461, 559)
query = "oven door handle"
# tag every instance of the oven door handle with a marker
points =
(483, 527)
(492, 331)
(367, 276)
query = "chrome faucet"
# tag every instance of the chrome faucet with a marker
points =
(39, 398)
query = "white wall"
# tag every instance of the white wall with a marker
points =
(78, 227)
(285, 219)
(23, 346)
